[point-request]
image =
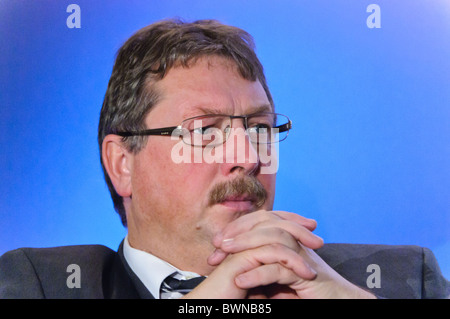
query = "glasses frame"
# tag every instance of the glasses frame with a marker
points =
(168, 131)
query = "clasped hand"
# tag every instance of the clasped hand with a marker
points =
(270, 254)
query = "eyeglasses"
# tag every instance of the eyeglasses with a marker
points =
(214, 129)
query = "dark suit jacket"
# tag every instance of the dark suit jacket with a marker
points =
(405, 271)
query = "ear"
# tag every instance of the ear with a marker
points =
(118, 163)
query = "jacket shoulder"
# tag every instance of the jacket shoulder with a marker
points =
(57, 272)
(390, 271)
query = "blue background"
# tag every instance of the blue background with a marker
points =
(368, 158)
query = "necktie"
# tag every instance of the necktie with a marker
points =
(173, 288)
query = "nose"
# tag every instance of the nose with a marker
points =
(240, 154)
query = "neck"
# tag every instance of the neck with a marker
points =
(176, 254)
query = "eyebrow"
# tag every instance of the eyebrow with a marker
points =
(261, 109)
(207, 110)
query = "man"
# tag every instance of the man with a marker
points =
(186, 123)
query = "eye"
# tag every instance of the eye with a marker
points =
(259, 128)
(203, 130)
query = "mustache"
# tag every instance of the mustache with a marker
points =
(243, 186)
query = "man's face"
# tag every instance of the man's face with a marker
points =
(170, 213)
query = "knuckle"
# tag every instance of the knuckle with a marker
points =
(287, 236)
(276, 248)
(281, 267)
(278, 232)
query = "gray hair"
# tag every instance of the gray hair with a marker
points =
(147, 56)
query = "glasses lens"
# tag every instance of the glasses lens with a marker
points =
(208, 130)
(268, 128)
(213, 130)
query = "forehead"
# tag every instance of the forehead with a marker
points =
(212, 85)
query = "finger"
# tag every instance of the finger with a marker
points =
(301, 233)
(247, 238)
(309, 223)
(217, 257)
(252, 239)
(267, 275)
(272, 254)
(278, 231)
(259, 237)
(221, 282)
(248, 221)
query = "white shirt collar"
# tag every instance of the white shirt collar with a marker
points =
(150, 269)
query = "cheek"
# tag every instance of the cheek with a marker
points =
(166, 183)
(268, 181)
